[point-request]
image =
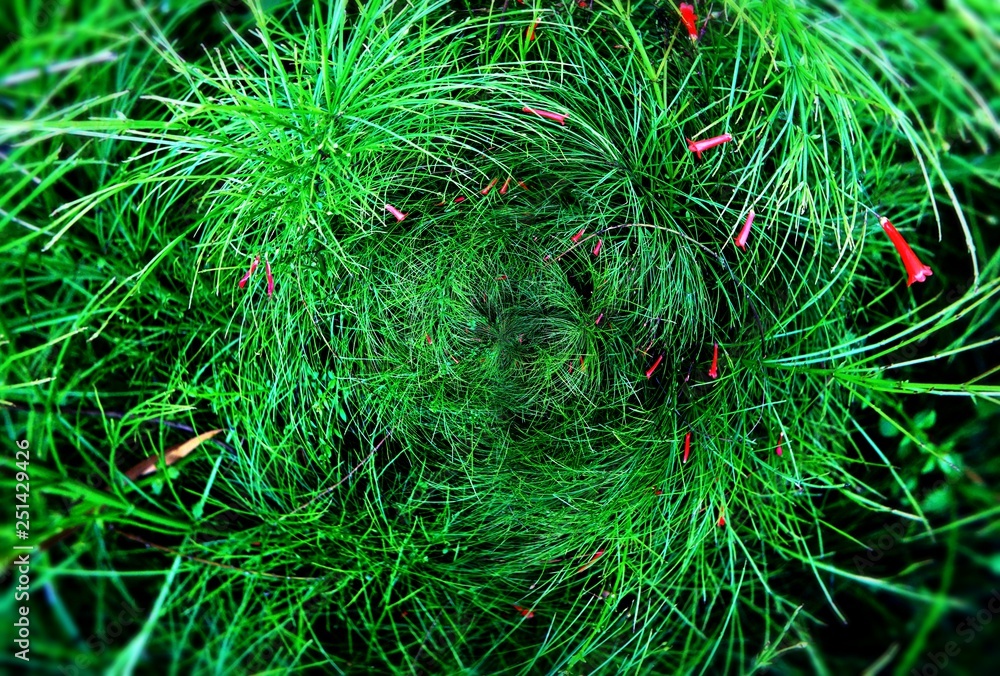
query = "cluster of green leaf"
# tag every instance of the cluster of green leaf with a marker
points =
(456, 442)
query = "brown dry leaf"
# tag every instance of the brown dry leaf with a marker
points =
(172, 455)
(147, 466)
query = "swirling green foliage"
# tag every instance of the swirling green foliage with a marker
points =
(458, 439)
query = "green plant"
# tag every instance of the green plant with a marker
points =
(455, 441)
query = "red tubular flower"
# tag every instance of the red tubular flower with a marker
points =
(521, 183)
(531, 31)
(915, 270)
(597, 247)
(657, 491)
(690, 20)
(722, 520)
(558, 117)
(503, 188)
(528, 614)
(576, 238)
(246, 277)
(741, 241)
(459, 199)
(395, 212)
(698, 146)
(714, 371)
(780, 437)
(486, 190)
(649, 373)
(270, 278)
(687, 447)
(592, 559)
(429, 341)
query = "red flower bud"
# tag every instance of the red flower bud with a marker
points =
(558, 117)
(399, 215)
(649, 373)
(698, 146)
(741, 241)
(246, 277)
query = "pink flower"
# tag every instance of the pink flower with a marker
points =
(561, 119)
(395, 212)
(698, 146)
(576, 238)
(780, 437)
(599, 318)
(714, 371)
(459, 199)
(246, 277)
(486, 190)
(741, 241)
(597, 247)
(915, 270)
(270, 278)
(503, 188)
